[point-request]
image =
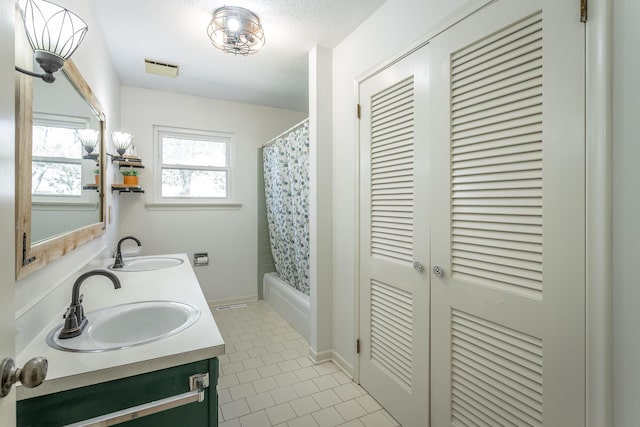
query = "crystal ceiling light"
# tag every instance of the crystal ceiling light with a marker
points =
(236, 30)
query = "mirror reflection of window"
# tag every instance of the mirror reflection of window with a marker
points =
(57, 156)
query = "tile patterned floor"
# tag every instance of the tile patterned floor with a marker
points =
(266, 378)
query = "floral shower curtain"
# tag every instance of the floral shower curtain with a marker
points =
(286, 182)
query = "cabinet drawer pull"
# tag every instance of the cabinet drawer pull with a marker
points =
(117, 417)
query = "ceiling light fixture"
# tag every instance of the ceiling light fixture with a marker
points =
(54, 33)
(236, 30)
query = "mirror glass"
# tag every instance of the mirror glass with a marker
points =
(65, 175)
(59, 202)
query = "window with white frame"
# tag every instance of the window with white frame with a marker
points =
(57, 156)
(192, 164)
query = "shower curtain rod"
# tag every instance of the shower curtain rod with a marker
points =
(291, 129)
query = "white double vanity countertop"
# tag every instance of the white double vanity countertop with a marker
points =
(68, 370)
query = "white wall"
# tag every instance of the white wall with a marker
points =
(389, 30)
(626, 213)
(229, 236)
(320, 208)
(7, 191)
(93, 61)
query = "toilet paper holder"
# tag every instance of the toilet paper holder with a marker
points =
(201, 259)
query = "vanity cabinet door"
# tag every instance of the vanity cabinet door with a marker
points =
(83, 403)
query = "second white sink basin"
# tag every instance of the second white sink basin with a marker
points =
(149, 263)
(127, 325)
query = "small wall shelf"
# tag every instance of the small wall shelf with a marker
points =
(125, 164)
(90, 187)
(127, 161)
(122, 188)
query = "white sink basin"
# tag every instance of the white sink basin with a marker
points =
(148, 263)
(127, 325)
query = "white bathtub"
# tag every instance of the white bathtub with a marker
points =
(288, 302)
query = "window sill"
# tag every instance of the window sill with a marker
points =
(194, 206)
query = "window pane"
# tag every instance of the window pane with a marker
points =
(56, 142)
(58, 179)
(193, 183)
(176, 151)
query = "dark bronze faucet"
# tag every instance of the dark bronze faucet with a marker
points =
(75, 320)
(119, 263)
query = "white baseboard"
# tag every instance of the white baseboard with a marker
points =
(346, 367)
(320, 357)
(229, 301)
(331, 356)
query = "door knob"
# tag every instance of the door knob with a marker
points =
(31, 375)
(438, 271)
(418, 266)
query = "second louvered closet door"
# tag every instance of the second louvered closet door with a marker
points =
(508, 332)
(394, 295)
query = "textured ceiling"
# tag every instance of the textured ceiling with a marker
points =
(175, 32)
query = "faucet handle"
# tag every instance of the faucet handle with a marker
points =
(71, 320)
(72, 323)
(71, 311)
(80, 310)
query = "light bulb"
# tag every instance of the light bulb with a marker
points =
(233, 24)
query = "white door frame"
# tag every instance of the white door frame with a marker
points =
(599, 142)
(599, 169)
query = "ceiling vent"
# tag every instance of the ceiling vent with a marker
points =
(160, 68)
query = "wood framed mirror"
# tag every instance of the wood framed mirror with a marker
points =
(51, 220)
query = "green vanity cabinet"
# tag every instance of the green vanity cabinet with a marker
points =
(83, 403)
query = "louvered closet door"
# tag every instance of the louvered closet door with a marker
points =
(394, 297)
(508, 332)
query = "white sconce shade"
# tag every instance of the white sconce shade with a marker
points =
(54, 33)
(52, 28)
(121, 141)
(88, 138)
